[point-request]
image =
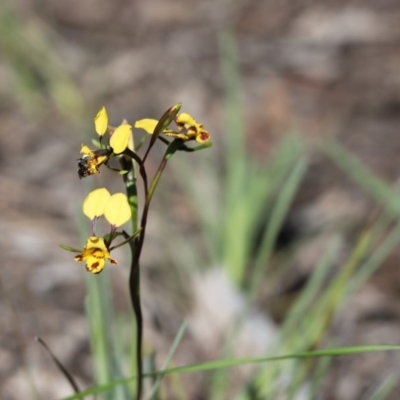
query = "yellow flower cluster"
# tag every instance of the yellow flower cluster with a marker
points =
(121, 138)
(116, 210)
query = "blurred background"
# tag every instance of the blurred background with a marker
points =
(302, 100)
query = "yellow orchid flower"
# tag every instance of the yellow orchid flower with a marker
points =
(90, 161)
(194, 130)
(188, 128)
(95, 253)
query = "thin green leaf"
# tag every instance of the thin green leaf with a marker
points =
(141, 142)
(68, 248)
(361, 175)
(96, 143)
(385, 388)
(60, 366)
(218, 364)
(278, 214)
(167, 361)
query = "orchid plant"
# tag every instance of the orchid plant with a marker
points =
(118, 143)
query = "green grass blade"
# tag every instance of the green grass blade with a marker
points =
(234, 126)
(318, 376)
(356, 170)
(376, 258)
(309, 294)
(228, 363)
(167, 361)
(384, 389)
(278, 214)
(98, 309)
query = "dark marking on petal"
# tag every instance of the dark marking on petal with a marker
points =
(94, 266)
(204, 136)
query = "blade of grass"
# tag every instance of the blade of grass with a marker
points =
(310, 292)
(278, 214)
(355, 169)
(168, 359)
(217, 364)
(59, 365)
(318, 376)
(100, 323)
(377, 257)
(313, 324)
(385, 388)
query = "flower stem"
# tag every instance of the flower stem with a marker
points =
(134, 277)
(171, 149)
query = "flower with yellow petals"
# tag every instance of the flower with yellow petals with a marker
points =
(188, 128)
(194, 130)
(95, 253)
(116, 210)
(90, 161)
(120, 139)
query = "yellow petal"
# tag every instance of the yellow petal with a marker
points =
(120, 138)
(101, 121)
(117, 210)
(185, 119)
(101, 159)
(95, 202)
(86, 151)
(147, 124)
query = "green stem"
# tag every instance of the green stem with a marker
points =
(134, 277)
(171, 149)
(136, 248)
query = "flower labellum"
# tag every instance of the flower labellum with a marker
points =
(95, 253)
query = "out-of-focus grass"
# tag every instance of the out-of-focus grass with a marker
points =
(237, 192)
(37, 70)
